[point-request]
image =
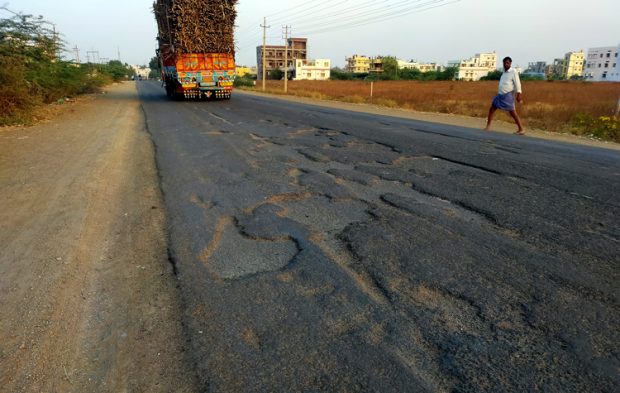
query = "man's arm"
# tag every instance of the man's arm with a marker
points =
(517, 81)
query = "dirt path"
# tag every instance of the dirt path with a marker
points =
(88, 300)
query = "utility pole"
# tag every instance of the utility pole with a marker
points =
(90, 55)
(55, 38)
(286, 31)
(265, 27)
(77, 54)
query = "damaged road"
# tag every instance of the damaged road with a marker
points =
(324, 250)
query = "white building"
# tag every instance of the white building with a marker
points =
(141, 71)
(603, 64)
(318, 69)
(413, 65)
(475, 68)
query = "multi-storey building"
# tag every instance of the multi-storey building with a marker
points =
(558, 69)
(358, 64)
(318, 69)
(275, 54)
(423, 67)
(476, 67)
(602, 64)
(574, 63)
(376, 64)
(536, 70)
(571, 65)
(537, 67)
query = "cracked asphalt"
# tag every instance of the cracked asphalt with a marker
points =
(323, 250)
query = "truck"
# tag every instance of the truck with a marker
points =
(196, 49)
(196, 75)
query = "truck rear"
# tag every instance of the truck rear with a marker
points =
(196, 47)
(197, 75)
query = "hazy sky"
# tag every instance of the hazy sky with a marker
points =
(527, 30)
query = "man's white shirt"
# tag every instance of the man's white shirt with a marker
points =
(510, 82)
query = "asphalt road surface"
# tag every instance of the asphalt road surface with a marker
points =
(323, 250)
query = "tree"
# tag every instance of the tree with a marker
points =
(118, 71)
(410, 74)
(276, 74)
(28, 37)
(340, 74)
(154, 63)
(448, 74)
(492, 76)
(390, 68)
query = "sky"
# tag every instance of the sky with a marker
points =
(422, 30)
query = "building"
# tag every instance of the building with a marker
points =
(318, 69)
(602, 64)
(422, 67)
(376, 64)
(574, 63)
(476, 67)
(358, 64)
(537, 67)
(549, 71)
(569, 66)
(274, 56)
(536, 70)
(243, 70)
(141, 71)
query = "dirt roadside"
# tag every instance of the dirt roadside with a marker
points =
(445, 118)
(88, 300)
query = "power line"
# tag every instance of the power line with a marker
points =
(384, 17)
(338, 16)
(245, 32)
(370, 16)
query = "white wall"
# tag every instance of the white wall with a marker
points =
(318, 69)
(603, 64)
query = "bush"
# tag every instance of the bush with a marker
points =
(492, 76)
(244, 81)
(16, 94)
(601, 127)
(31, 74)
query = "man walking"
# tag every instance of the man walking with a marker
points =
(509, 84)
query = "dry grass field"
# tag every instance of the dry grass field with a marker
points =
(577, 107)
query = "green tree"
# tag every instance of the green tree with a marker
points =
(155, 67)
(390, 68)
(117, 70)
(492, 76)
(154, 63)
(31, 72)
(410, 74)
(276, 74)
(448, 74)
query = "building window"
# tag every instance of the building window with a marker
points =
(608, 54)
(601, 55)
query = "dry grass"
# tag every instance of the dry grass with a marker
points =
(552, 106)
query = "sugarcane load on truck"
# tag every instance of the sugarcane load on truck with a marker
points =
(196, 47)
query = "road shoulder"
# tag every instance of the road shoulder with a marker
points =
(89, 298)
